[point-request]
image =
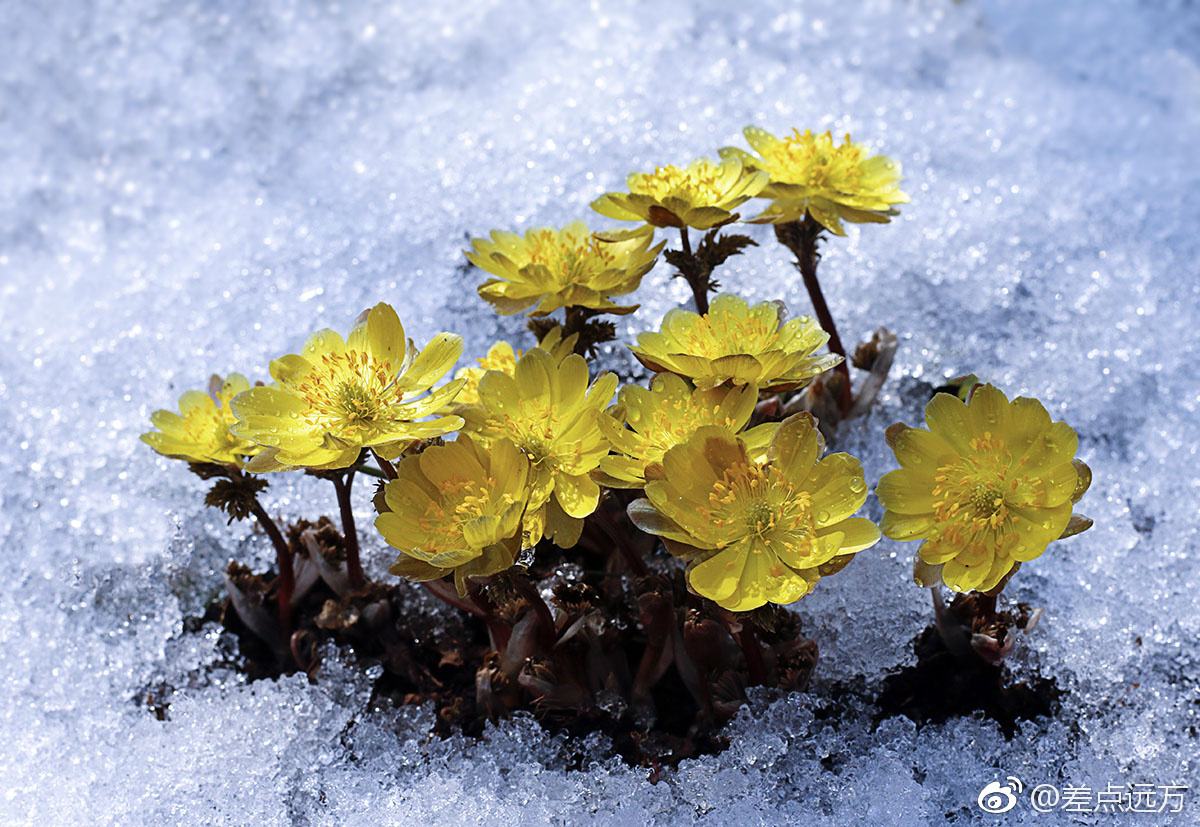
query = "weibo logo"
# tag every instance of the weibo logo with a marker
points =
(1000, 798)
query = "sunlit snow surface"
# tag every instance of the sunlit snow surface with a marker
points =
(193, 188)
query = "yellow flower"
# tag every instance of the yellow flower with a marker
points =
(737, 343)
(702, 195)
(502, 357)
(547, 409)
(200, 431)
(812, 174)
(339, 396)
(666, 415)
(757, 532)
(572, 267)
(987, 487)
(456, 508)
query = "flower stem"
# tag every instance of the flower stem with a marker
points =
(631, 557)
(343, 485)
(475, 604)
(286, 584)
(752, 652)
(499, 631)
(987, 606)
(525, 588)
(578, 320)
(446, 593)
(389, 470)
(699, 283)
(607, 523)
(803, 238)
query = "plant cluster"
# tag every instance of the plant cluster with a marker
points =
(618, 554)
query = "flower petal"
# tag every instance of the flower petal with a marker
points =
(906, 526)
(837, 488)
(858, 533)
(718, 577)
(578, 495)
(905, 492)
(433, 362)
(796, 446)
(947, 418)
(988, 410)
(652, 521)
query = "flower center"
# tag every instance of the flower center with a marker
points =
(726, 334)
(672, 422)
(971, 494)
(460, 502)
(697, 185)
(211, 428)
(471, 496)
(816, 162)
(569, 258)
(535, 432)
(358, 403)
(764, 505)
(539, 449)
(985, 500)
(504, 361)
(349, 391)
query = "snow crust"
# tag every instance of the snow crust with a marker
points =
(190, 188)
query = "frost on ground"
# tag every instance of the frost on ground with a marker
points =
(189, 189)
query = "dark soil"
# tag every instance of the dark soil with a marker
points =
(660, 696)
(658, 702)
(943, 685)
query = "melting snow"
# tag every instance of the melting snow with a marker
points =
(189, 189)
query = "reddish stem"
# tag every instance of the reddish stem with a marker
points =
(803, 238)
(445, 593)
(526, 589)
(354, 570)
(607, 523)
(388, 469)
(699, 285)
(752, 651)
(499, 631)
(286, 583)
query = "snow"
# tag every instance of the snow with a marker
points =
(190, 188)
